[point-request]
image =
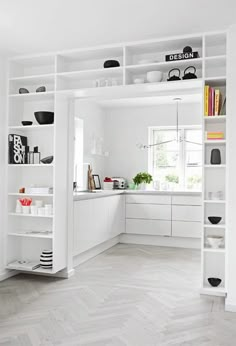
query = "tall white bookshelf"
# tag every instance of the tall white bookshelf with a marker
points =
(77, 74)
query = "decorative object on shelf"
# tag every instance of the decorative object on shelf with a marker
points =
(27, 123)
(108, 183)
(41, 211)
(22, 190)
(23, 91)
(97, 182)
(16, 148)
(34, 210)
(91, 185)
(24, 265)
(213, 105)
(27, 148)
(189, 75)
(187, 54)
(215, 157)
(37, 156)
(154, 76)
(30, 157)
(213, 135)
(25, 205)
(215, 241)
(111, 63)
(142, 179)
(173, 77)
(139, 80)
(46, 259)
(214, 282)
(44, 117)
(47, 160)
(39, 190)
(39, 203)
(214, 220)
(48, 209)
(41, 89)
(215, 195)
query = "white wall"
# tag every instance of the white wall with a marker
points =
(94, 122)
(125, 127)
(2, 160)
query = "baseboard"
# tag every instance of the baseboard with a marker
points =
(96, 250)
(189, 243)
(8, 274)
(230, 307)
(65, 274)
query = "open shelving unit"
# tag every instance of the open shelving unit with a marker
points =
(80, 73)
(214, 176)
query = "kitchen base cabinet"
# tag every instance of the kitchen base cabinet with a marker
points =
(148, 227)
(186, 229)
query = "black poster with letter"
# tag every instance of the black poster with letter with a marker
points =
(16, 148)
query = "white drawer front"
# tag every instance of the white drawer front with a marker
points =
(148, 211)
(187, 200)
(148, 199)
(186, 213)
(148, 227)
(186, 229)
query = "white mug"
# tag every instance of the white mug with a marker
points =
(34, 209)
(39, 203)
(41, 211)
(26, 209)
(48, 209)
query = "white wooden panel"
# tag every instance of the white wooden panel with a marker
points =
(148, 199)
(186, 213)
(148, 227)
(148, 211)
(187, 200)
(186, 229)
(116, 215)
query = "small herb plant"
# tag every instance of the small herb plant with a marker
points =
(171, 178)
(142, 177)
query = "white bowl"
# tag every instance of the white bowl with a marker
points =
(215, 241)
(154, 76)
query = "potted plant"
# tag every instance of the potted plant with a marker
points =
(142, 179)
(173, 181)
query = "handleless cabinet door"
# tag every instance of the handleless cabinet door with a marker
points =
(148, 211)
(148, 227)
(186, 229)
(148, 199)
(186, 200)
(186, 213)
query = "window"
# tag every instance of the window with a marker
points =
(176, 164)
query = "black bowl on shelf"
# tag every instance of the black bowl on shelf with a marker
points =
(214, 282)
(23, 91)
(214, 219)
(44, 117)
(27, 123)
(47, 160)
(111, 63)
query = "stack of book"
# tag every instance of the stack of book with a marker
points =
(214, 103)
(214, 135)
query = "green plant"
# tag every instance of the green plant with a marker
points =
(142, 177)
(171, 178)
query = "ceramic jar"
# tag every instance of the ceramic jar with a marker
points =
(46, 259)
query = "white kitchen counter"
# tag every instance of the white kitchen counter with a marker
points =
(78, 196)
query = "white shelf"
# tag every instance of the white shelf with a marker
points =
(31, 127)
(30, 215)
(33, 96)
(31, 235)
(34, 78)
(215, 166)
(216, 81)
(92, 74)
(215, 57)
(220, 250)
(215, 141)
(30, 194)
(213, 291)
(210, 225)
(215, 118)
(30, 165)
(38, 270)
(216, 201)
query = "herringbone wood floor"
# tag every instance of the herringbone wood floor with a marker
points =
(130, 295)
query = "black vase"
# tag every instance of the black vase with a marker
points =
(215, 157)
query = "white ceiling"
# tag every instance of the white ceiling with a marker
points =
(46, 25)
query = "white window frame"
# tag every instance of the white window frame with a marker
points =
(182, 152)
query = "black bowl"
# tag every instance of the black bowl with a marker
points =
(23, 91)
(214, 282)
(214, 219)
(111, 63)
(27, 123)
(47, 160)
(44, 117)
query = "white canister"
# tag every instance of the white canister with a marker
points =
(34, 209)
(18, 207)
(46, 259)
(26, 209)
(48, 209)
(41, 211)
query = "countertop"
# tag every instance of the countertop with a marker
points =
(79, 196)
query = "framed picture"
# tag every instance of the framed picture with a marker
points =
(97, 182)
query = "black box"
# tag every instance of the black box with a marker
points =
(16, 149)
(182, 56)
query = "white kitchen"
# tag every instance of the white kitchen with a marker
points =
(117, 203)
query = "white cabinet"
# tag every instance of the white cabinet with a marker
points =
(148, 199)
(186, 229)
(186, 200)
(148, 227)
(148, 211)
(96, 221)
(186, 213)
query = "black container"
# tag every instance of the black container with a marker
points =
(44, 118)
(215, 157)
(214, 220)
(189, 75)
(173, 77)
(111, 63)
(214, 282)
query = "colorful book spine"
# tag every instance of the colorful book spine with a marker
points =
(215, 135)
(206, 111)
(217, 102)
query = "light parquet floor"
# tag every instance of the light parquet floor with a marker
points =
(131, 295)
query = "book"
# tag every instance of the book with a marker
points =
(16, 149)
(206, 100)
(217, 102)
(215, 135)
(223, 107)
